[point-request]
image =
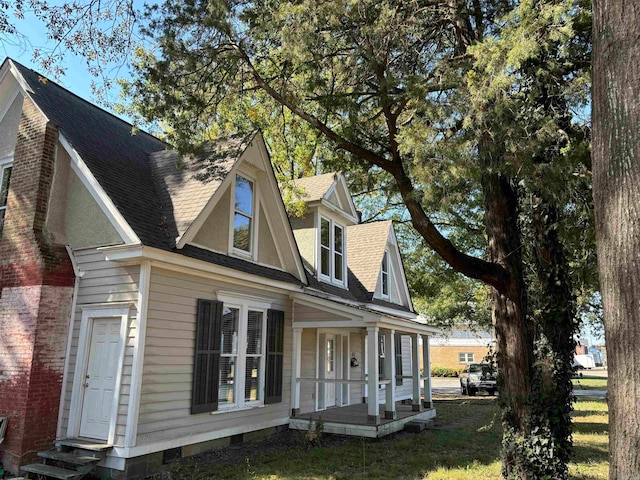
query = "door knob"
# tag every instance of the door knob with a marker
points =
(86, 384)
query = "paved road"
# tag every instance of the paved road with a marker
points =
(451, 386)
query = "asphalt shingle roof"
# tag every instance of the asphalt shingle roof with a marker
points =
(187, 183)
(147, 191)
(159, 192)
(365, 248)
(118, 158)
(315, 187)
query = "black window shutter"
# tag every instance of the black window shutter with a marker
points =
(206, 367)
(398, 352)
(275, 356)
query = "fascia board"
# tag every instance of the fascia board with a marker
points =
(293, 245)
(107, 206)
(330, 206)
(10, 67)
(406, 325)
(343, 182)
(26, 90)
(197, 223)
(327, 305)
(391, 311)
(192, 266)
(405, 286)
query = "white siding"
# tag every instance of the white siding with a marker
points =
(165, 407)
(104, 282)
(308, 368)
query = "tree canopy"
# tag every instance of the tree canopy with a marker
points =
(463, 119)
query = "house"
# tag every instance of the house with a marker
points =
(462, 345)
(155, 305)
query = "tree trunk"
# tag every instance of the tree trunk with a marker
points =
(514, 337)
(555, 347)
(616, 189)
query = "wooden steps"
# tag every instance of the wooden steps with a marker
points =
(416, 426)
(68, 457)
(73, 459)
(50, 471)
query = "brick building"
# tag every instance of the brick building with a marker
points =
(459, 347)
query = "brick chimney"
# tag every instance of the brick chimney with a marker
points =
(36, 289)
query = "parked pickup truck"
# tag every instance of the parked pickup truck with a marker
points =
(476, 377)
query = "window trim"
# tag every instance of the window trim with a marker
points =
(244, 305)
(466, 356)
(5, 163)
(331, 278)
(253, 235)
(385, 256)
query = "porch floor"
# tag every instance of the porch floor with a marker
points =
(353, 420)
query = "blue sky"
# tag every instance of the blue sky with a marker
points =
(33, 35)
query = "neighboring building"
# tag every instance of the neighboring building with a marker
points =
(154, 306)
(460, 346)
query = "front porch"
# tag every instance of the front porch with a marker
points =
(354, 420)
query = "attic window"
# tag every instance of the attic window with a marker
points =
(384, 275)
(243, 215)
(332, 241)
(5, 176)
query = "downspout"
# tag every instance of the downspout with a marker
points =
(78, 274)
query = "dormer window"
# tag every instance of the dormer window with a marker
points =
(384, 275)
(5, 177)
(332, 262)
(243, 215)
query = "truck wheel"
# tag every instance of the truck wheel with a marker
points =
(470, 391)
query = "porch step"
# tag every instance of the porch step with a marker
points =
(83, 444)
(417, 425)
(68, 457)
(51, 471)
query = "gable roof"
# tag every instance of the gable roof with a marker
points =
(117, 158)
(366, 243)
(187, 183)
(315, 187)
(140, 187)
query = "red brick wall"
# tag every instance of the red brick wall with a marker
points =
(36, 285)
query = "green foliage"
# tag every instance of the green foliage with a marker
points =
(445, 372)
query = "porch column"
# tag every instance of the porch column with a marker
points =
(390, 374)
(416, 405)
(295, 371)
(426, 356)
(373, 408)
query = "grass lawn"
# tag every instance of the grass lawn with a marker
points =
(590, 383)
(463, 445)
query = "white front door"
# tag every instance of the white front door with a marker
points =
(100, 378)
(330, 370)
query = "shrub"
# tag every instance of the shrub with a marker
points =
(445, 372)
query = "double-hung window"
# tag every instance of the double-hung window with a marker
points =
(241, 356)
(243, 215)
(238, 357)
(384, 275)
(465, 357)
(332, 247)
(5, 177)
